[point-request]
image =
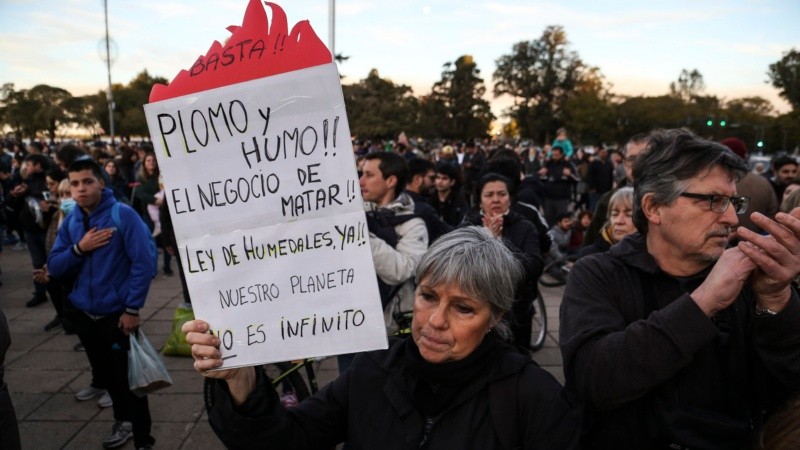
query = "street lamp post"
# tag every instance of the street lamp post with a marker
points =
(108, 67)
(332, 26)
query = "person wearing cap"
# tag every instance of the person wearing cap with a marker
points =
(757, 188)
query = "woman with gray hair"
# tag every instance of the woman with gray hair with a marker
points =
(454, 383)
(619, 222)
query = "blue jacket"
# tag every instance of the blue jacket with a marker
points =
(114, 277)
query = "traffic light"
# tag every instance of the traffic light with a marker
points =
(722, 123)
(710, 122)
(760, 144)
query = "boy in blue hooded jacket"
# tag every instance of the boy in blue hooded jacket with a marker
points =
(114, 267)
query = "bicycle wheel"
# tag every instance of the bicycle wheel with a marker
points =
(555, 274)
(291, 382)
(539, 323)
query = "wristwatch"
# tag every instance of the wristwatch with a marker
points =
(764, 311)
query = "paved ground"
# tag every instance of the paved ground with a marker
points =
(43, 372)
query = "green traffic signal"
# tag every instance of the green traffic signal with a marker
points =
(722, 123)
(710, 122)
(760, 144)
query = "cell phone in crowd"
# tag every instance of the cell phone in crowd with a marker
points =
(46, 196)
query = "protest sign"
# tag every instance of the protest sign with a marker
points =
(254, 148)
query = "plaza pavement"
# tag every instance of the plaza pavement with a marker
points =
(43, 372)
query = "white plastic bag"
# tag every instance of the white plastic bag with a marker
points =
(146, 371)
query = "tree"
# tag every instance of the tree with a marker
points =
(746, 118)
(379, 109)
(460, 92)
(540, 75)
(748, 106)
(588, 113)
(432, 120)
(51, 112)
(785, 75)
(511, 130)
(39, 109)
(688, 86)
(129, 101)
(643, 114)
(788, 129)
(17, 110)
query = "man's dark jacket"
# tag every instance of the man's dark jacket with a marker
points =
(600, 178)
(37, 184)
(436, 227)
(453, 209)
(639, 353)
(558, 186)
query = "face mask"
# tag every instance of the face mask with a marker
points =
(67, 205)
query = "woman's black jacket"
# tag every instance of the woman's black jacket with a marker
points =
(370, 407)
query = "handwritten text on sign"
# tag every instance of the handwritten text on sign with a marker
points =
(262, 189)
(279, 144)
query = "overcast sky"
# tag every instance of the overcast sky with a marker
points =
(639, 46)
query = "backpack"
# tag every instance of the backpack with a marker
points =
(381, 223)
(151, 243)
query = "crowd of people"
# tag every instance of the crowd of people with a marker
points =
(679, 325)
(89, 220)
(678, 329)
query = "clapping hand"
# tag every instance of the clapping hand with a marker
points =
(494, 223)
(777, 257)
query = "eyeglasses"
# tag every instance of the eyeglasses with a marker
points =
(719, 203)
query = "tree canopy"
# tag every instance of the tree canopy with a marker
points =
(688, 87)
(548, 83)
(52, 110)
(540, 75)
(466, 114)
(40, 109)
(379, 109)
(785, 75)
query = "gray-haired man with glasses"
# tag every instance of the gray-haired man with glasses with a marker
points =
(671, 339)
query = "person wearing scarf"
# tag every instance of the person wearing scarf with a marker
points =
(619, 222)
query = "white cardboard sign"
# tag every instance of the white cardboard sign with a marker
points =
(263, 193)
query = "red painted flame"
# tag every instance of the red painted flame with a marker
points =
(254, 50)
